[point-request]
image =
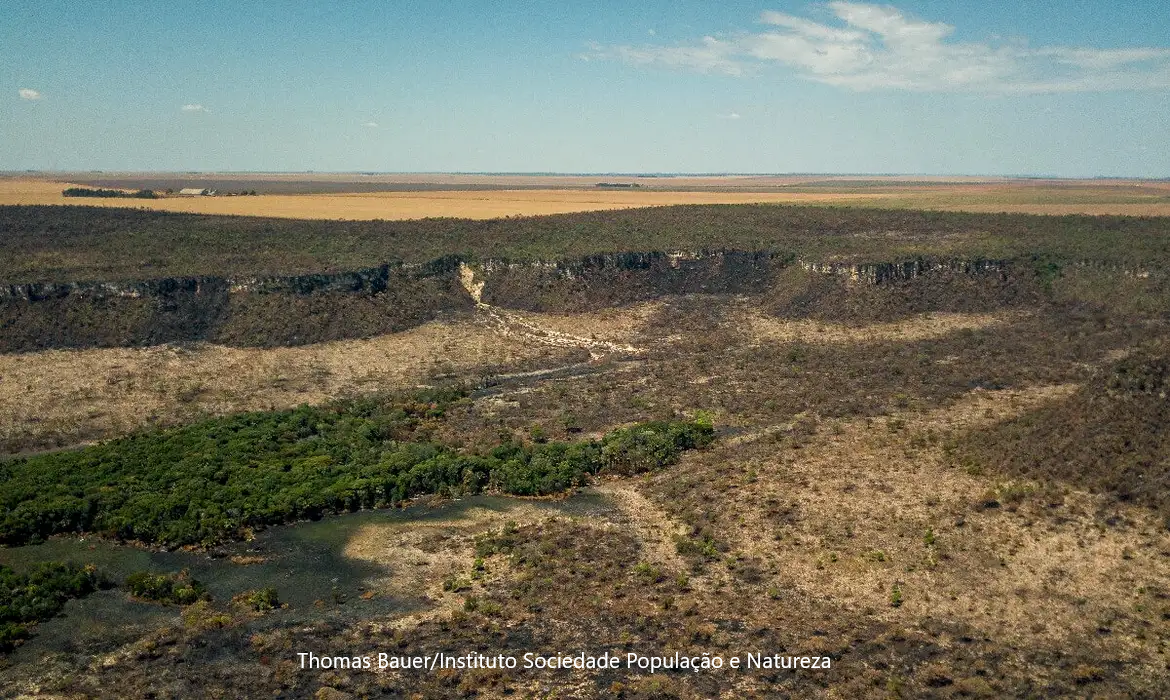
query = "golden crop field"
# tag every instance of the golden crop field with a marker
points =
(1037, 197)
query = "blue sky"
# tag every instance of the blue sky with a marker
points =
(1067, 88)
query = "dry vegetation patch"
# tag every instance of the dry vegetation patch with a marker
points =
(622, 325)
(920, 327)
(433, 559)
(875, 516)
(63, 397)
(60, 397)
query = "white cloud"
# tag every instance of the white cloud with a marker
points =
(709, 56)
(29, 94)
(370, 125)
(880, 47)
(730, 115)
(194, 108)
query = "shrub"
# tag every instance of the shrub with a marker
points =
(896, 596)
(261, 600)
(39, 595)
(168, 589)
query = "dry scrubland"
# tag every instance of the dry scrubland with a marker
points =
(43, 404)
(577, 194)
(65, 397)
(836, 515)
(952, 485)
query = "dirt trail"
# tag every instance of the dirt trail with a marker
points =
(514, 324)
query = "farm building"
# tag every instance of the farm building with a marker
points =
(196, 192)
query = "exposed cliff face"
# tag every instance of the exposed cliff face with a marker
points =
(877, 273)
(604, 280)
(254, 311)
(879, 292)
(301, 309)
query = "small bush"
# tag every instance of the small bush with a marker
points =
(168, 589)
(261, 600)
(647, 573)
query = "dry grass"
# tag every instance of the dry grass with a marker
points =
(655, 530)
(615, 325)
(763, 328)
(60, 397)
(867, 495)
(815, 525)
(420, 554)
(67, 395)
(576, 195)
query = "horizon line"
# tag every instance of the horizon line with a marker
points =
(553, 173)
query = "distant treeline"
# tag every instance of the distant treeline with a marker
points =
(113, 194)
(211, 481)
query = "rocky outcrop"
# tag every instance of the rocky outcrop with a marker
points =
(878, 273)
(597, 281)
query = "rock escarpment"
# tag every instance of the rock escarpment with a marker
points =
(300, 309)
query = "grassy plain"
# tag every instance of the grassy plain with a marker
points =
(483, 198)
(366, 206)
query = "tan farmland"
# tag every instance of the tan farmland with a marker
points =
(482, 204)
(565, 195)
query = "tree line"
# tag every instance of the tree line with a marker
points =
(215, 480)
(104, 193)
